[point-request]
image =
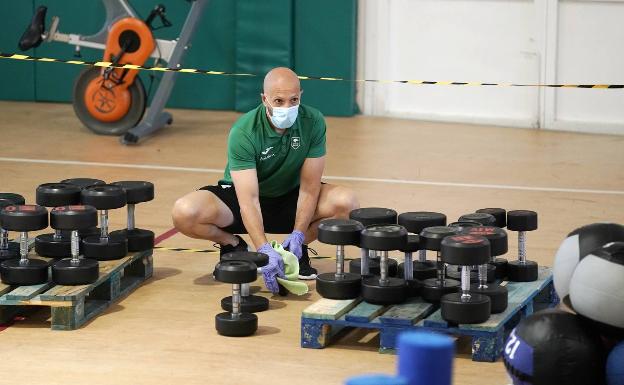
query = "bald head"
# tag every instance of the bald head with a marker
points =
(281, 88)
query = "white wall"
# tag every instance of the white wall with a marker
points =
(518, 41)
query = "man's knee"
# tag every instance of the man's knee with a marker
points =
(184, 214)
(344, 201)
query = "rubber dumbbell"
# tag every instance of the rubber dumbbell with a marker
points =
(383, 290)
(498, 246)
(57, 244)
(249, 303)
(368, 264)
(83, 183)
(9, 250)
(136, 192)
(415, 222)
(104, 246)
(499, 214)
(236, 323)
(522, 270)
(465, 307)
(406, 269)
(483, 218)
(463, 224)
(24, 271)
(75, 270)
(339, 285)
(434, 288)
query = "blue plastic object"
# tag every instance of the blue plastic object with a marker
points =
(615, 365)
(426, 358)
(376, 379)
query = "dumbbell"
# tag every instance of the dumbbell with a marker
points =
(498, 246)
(406, 269)
(522, 221)
(136, 192)
(463, 224)
(499, 214)
(9, 250)
(104, 246)
(339, 285)
(236, 323)
(415, 222)
(248, 303)
(74, 271)
(24, 271)
(465, 307)
(369, 264)
(55, 245)
(483, 218)
(84, 182)
(383, 290)
(434, 288)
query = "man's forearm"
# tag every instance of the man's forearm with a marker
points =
(306, 206)
(252, 219)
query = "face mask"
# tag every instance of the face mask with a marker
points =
(284, 117)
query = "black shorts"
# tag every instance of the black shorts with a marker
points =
(278, 214)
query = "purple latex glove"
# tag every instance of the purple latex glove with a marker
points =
(293, 243)
(272, 270)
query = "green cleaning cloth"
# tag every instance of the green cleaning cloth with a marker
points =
(291, 270)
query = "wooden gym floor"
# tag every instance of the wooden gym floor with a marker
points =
(164, 333)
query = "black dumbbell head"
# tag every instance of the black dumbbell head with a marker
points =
(369, 216)
(24, 218)
(340, 232)
(136, 191)
(33, 273)
(8, 199)
(465, 250)
(383, 237)
(483, 218)
(104, 197)
(84, 182)
(413, 244)
(74, 217)
(416, 221)
(236, 271)
(57, 194)
(464, 225)
(85, 272)
(496, 236)
(259, 259)
(245, 324)
(522, 220)
(431, 237)
(498, 213)
(104, 249)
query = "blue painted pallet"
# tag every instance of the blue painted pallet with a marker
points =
(323, 321)
(72, 306)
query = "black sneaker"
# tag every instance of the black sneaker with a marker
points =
(306, 271)
(224, 249)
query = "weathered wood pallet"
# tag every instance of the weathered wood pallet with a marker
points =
(323, 321)
(72, 306)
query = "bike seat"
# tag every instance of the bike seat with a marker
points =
(32, 36)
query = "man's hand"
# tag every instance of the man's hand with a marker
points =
(293, 243)
(274, 269)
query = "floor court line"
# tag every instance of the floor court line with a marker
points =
(327, 177)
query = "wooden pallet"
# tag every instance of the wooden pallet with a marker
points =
(325, 320)
(72, 306)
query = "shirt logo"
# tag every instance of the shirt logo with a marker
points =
(295, 142)
(266, 151)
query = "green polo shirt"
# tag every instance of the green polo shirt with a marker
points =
(254, 144)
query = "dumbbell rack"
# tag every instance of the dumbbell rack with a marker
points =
(326, 320)
(72, 306)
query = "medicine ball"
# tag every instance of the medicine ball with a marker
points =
(597, 289)
(577, 245)
(553, 347)
(615, 365)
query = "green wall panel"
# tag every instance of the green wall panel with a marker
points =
(325, 45)
(17, 81)
(263, 41)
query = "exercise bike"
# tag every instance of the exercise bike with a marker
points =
(112, 101)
